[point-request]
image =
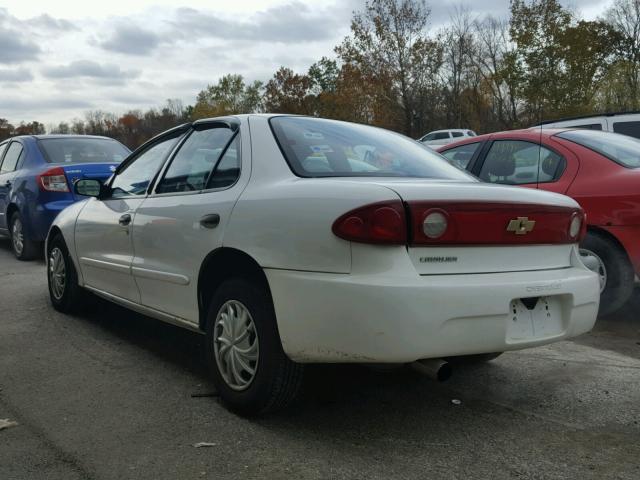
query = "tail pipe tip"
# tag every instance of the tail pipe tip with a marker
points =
(434, 368)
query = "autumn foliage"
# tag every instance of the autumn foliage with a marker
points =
(393, 70)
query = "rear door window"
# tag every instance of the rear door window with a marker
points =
(11, 157)
(517, 162)
(627, 128)
(441, 135)
(457, 134)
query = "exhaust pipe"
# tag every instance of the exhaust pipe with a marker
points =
(434, 368)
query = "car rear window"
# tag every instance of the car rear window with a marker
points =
(316, 147)
(82, 150)
(621, 149)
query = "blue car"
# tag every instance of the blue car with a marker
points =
(37, 173)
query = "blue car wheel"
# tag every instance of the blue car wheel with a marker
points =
(23, 248)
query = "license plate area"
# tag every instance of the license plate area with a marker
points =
(535, 318)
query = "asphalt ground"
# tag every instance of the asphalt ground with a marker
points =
(115, 395)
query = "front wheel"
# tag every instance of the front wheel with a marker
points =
(249, 367)
(23, 247)
(614, 270)
(65, 293)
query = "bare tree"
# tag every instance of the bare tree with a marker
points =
(389, 41)
(493, 51)
(624, 16)
(459, 50)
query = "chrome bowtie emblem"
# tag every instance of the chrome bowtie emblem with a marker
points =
(521, 225)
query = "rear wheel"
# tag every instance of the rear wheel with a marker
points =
(614, 270)
(65, 293)
(249, 367)
(23, 247)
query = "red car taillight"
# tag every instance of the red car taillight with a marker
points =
(484, 223)
(582, 231)
(378, 223)
(461, 223)
(53, 180)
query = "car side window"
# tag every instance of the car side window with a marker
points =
(627, 128)
(228, 169)
(462, 155)
(440, 135)
(2, 148)
(136, 176)
(551, 166)
(11, 158)
(517, 162)
(457, 134)
(591, 126)
(198, 156)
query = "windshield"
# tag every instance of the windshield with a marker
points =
(619, 148)
(316, 147)
(82, 150)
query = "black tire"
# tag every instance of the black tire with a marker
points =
(620, 275)
(277, 380)
(74, 298)
(473, 359)
(26, 249)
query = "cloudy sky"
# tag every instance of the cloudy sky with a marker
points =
(61, 58)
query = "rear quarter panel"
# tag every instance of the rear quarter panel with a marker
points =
(608, 192)
(284, 221)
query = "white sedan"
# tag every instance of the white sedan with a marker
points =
(289, 240)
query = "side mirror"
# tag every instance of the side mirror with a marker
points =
(88, 187)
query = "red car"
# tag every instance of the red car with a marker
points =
(600, 170)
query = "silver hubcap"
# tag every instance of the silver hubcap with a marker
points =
(594, 263)
(235, 342)
(17, 236)
(57, 273)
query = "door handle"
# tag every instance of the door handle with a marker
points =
(210, 221)
(7, 183)
(125, 220)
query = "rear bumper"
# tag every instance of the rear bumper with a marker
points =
(386, 319)
(43, 215)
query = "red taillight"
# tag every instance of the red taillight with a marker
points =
(378, 223)
(583, 228)
(483, 223)
(53, 180)
(461, 223)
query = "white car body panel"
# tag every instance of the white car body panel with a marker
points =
(384, 313)
(445, 141)
(623, 123)
(335, 300)
(97, 226)
(170, 243)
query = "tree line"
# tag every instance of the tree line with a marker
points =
(394, 71)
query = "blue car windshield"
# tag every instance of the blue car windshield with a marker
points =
(82, 150)
(316, 147)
